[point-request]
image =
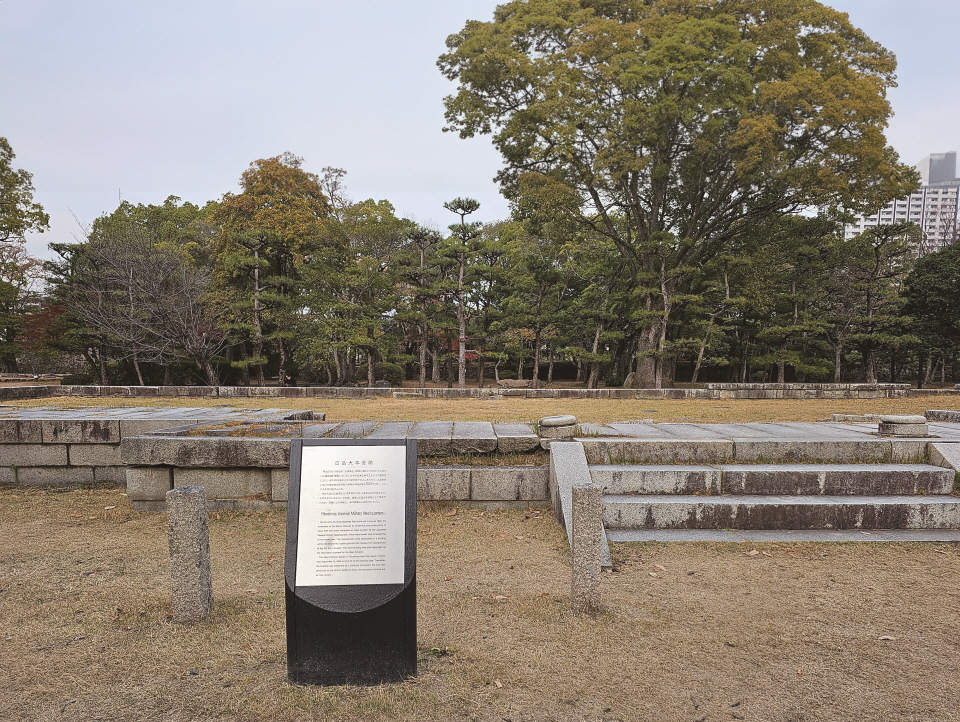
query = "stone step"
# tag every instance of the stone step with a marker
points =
(836, 479)
(759, 536)
(663, 511)
(780, 479)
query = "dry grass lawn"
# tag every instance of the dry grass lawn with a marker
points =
(520, 409)
(690, 632)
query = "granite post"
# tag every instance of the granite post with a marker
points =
(586, 547)
(189, 541)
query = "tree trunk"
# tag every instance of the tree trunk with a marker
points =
(837, 357)
(422, 377)
(282, 371)
(535, 384)
(550, 366)
(462, 327)
(136, 367)
(371, 368)
(434, 363)
(781, 372)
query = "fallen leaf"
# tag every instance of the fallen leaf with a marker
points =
(939, 551)
(799, 670)
(887, 639)
(91, 517)
(652, 574)
(751, 553)
(767, 554)
(108, 508)
(78, 514)
(659, 568)
(448, 578)
(498, 683)
(498, 596)
(452, 513)
(519, 537)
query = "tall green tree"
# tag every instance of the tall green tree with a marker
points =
(268, 229)
(673, 127)
(18, 211)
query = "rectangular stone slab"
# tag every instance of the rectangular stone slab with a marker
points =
(515, 438)
(391, 430)
(656, 479)
(433, 437)
(473, 437)
(781, 512)
(836, 479)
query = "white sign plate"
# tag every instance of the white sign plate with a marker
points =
(352, 515)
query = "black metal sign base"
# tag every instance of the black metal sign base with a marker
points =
(350, 567)
(363, 648)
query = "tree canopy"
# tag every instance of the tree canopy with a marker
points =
(18, 212)
(670, 128)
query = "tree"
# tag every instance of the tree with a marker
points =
(672, 127)
(18, 213)
(20, 275)
(932, 291)
(268, 230)
(462, 246)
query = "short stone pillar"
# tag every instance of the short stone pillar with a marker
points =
(586, 547)
(903, 426)
(554, 428)
(189, 540)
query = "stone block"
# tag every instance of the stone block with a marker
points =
(76, 390)
(473, 437)
(189, 542)
(568, 466)
(20, 431)
(506, 483)
(94, 455)
(110, 474)
(943, 415)
(515, 438)
(902, 419)
(199, 452)
(563, 420)
(945, 455)
(138, 427)
(34, 455)
(868, 451)
(586, 546)
(148, 483)
(8, 475)
(903, 429)
(656, 451)
(391, 430)
(54, 475)
(907, 452)
(433, 437)
(449, 483)
(279, 484)
(81, 431)
(188, 391)
(228, 483)
(657, 479)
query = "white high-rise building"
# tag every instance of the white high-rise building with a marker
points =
(933, 207)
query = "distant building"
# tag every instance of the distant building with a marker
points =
(933, 207)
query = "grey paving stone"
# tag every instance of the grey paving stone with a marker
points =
(586, 430)
(433, 437)
(692, 431)
(226, 483)
(642, 431)
(946, 456)
(515, 438)
(473, 437)
(148, 483)
(352, 430)
(657, 479)
(317, 431)
(94, 455)
(391, 430)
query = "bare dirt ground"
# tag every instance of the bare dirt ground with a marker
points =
(707, 632)
(529, 410)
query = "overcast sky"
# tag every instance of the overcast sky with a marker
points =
(103, 99)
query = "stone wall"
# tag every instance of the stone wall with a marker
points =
(709, 391)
